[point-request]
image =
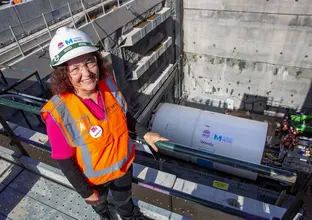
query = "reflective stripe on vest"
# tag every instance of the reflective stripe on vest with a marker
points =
(68, 120)
(117, 94)
(63, 111)
(90, 173)
(73, 131)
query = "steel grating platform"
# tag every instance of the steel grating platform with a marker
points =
(27, 195)
(31, 189)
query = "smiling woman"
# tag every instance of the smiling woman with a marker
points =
(87, 124)
(61, 83)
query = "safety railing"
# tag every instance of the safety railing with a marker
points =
(46, 20)
(293, 209)
(33, 105)
(278, 174)
(275, 173)
(9, 96)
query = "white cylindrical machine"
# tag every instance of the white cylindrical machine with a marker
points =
(231, 136)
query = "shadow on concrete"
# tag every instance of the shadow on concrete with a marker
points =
(254, 103)
(208, 105)
(260, 104)
(307, 104)
(251, 103)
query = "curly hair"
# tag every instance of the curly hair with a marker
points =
(60, 83)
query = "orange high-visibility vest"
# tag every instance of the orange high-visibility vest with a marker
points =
(15, 2)
(104, 157)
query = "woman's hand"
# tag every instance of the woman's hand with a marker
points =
(151, 138)
(93, 199)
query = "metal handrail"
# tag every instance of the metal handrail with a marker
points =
(7, 93)
(280, 175)
(16, 68)
(35, 98)
(16, 96)
(275, 173)
(33, 73)
(19, 82)
(20, 106)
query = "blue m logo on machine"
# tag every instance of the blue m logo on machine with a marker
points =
(217, 137)
(223, 139)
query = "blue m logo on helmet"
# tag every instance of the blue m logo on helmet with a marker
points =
(70, 41)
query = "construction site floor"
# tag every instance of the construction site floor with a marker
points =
(27, 195)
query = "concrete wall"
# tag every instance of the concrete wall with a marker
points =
(258, 54)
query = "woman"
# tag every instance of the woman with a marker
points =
(87, 125)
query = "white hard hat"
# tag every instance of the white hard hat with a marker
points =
(68, 43)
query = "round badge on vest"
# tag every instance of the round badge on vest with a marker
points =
(96, 131)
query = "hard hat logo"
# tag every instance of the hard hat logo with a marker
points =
(60, 45)
(70, 41)
(73, 40)
(56, 58)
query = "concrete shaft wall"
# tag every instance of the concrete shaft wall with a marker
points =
(257, 54)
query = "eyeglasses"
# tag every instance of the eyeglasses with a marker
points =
(89, 63)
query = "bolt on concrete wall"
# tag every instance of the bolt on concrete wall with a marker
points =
(257, 54)
(251, 85)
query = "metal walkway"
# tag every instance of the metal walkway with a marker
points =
(27, 195)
